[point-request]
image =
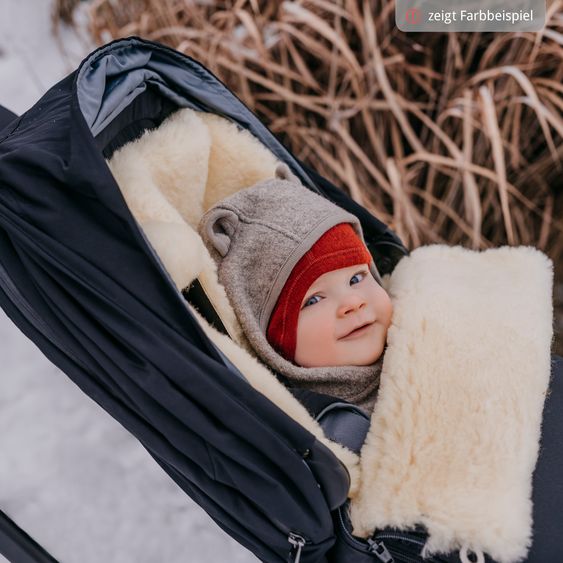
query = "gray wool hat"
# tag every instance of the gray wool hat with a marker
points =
(257, 236)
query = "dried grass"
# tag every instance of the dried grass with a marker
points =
(64, 10)
(452, 138)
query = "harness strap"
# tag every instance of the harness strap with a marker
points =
(196, 296)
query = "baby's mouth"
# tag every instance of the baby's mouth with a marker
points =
(358, 331)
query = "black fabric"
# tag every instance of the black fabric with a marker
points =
(197, 297)
(89, 291)
(547, 495)
(18, 547)
(147, 111)
(6, 117)
(388, 546)
(341, 422)
(312, 401)
(346, 424)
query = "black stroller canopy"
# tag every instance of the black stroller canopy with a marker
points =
(131, 85)
(79, 279)
(111, 79)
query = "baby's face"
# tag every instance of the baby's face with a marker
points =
(343, 320)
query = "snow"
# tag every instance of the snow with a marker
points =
(70, 476)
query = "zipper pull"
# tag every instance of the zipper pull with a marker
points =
(297, 543)
(381, 552)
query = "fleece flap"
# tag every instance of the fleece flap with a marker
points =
(454, 435)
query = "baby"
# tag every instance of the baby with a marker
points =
(303, 285)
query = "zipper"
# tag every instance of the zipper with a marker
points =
(297, 543)
(351, 539)
(380, 551)
(387, 553)
(398, 536)
(378, 548)
(409, 539)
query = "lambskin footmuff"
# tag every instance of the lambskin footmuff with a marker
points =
(455, 433)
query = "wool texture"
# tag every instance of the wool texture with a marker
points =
(454, 435)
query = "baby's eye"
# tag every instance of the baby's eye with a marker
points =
(357, 278)
(312, 300)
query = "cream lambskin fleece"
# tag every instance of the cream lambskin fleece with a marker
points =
(169, 175)
(454, 435)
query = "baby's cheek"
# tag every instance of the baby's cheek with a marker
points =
(315, 332)
(313, 340)
(386, 310)
(305, 335)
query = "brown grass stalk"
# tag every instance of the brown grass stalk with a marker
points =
(447, 137)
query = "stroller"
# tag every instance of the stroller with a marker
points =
(131, 344)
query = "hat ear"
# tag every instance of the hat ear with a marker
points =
(283, 172)
(218, 227)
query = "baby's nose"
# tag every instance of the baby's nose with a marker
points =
(351, 302)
